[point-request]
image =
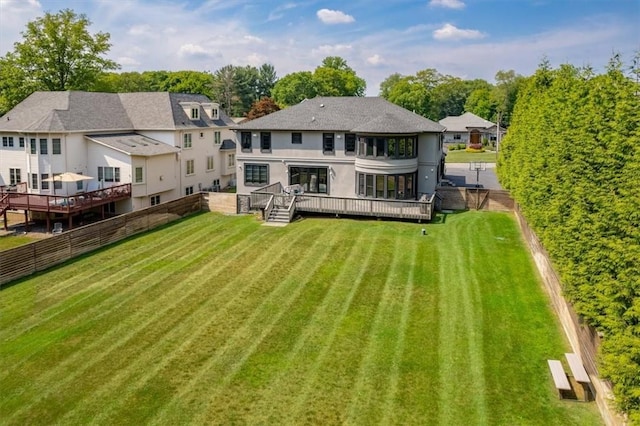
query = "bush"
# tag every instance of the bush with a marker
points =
(475, 147)
(462, 145)
(453, 147)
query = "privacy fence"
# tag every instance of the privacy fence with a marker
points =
(24, 260)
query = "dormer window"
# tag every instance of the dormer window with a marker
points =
(195, 113)
(215, 111)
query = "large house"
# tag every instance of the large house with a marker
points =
(165, 145)
(353, 147)
(468, 128)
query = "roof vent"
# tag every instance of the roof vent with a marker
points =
(321, 105)
(313, 119)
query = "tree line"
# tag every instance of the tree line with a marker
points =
(58, 53)
(571, 159)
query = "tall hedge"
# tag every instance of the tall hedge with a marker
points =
(572, 161)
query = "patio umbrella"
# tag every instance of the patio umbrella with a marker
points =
(66, 177)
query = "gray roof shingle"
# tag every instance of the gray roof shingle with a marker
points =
(134, 144)
(345, 114)
(95, 111)
(465, 121)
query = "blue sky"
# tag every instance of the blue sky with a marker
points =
(465, 38)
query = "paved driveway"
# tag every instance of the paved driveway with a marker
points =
(460, 175)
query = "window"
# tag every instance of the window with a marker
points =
(45, 184)
(390, 147)
(57, 184)
(232, 160)
(201, 135)
(56, 146)
(379, 147)
(296, 138)
(215, 113)
(154, 199)
(370, 147)
(312, 179)
(43, 147)
(245, 141)
(34, 181)
(195, 113)
(14, 176)
(7, 141)
(109, 174)
(350, 143)
(186, 140)
(394, 187)
(265, 142)
(256, 174)
(328, 143)
(21, 142)
(32, 145)
(188, 190)
(190, 167)
(457, 137)
(216, 138)
(79, 184)
(210, 162)
(139, 175)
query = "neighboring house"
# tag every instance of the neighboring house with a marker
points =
(468, 128)
(353, 147)
(165, 144)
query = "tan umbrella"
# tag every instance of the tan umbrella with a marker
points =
(66, 177)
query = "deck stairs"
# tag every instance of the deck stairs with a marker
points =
(4, 203)
(278, 215)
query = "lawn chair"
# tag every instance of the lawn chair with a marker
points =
(57, 228)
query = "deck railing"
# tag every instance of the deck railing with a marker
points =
(261, 196)
(19, 187)
(420, 210)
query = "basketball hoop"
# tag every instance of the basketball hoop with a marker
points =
(478, 166)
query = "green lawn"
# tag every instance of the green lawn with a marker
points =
(219, 320)
(461, 156)
(10, 241)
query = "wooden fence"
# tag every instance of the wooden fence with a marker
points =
(475, 199)
(24, 260)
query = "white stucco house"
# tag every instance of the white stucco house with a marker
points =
(468, 128)
(165, 145)
(346, 147)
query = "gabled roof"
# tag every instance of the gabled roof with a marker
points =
(465, 122)
(133, 144)
(344, 114)
(76, 111)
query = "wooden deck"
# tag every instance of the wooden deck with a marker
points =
(397, 209)
(68, 205)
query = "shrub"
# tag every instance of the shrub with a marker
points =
(475, 147)
(452, 147)
(462, 145)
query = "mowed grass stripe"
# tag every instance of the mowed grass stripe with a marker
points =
(460, 343)
(98, 270)
(196, 317)
(376, 368)
(315, 318)
(220, 370)
(64, 373)
(59, 283)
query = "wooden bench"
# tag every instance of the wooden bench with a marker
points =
(559, 377)
(579, 374)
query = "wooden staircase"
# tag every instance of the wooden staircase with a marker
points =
(278, 215)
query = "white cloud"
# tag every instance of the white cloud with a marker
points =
(328, 16)
(252, 39)
(375, 59)
(276, 13)
(137, 30)
(190, 49)
(331, 49)
(449, 4)
(450, 32)
(127, 62)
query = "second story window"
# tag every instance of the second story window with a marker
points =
(216, 138)
(265, 141)
(350, 143)
(109, 174)
(211, 163)
(232, 160)
(56, 146)
(296, 138)
(139, 175)
(245, 141)
(328, 145)
(43, 147)
(190, 166)
(186, 140)
(7, 141)
(32, 146)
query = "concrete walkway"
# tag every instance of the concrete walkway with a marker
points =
(460, 175)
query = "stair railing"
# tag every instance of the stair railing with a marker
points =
(268, 208)
(291, 209)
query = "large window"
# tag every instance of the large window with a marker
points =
(7, 141)
(45, 183)
(43, 146)
(328, 143)
(245, 141)
(14, 176)
(186, 140)
(350, 143)
(56, 146)
(312, 179)
(392, 147)
(265, 141)
(392, 187)
(109, 174)
(190, 167)
(139, 175)
(256, 174)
